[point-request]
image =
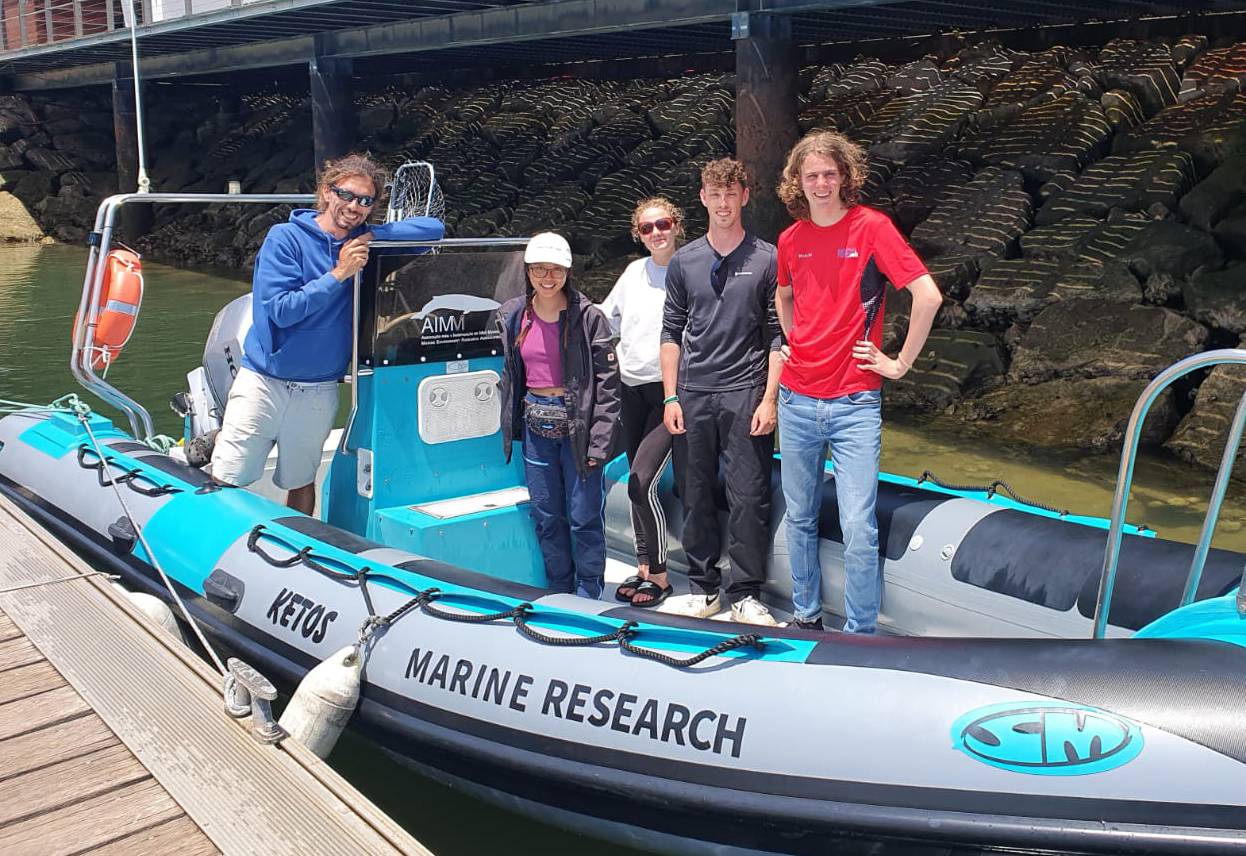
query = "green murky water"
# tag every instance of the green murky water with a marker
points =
(39, 292)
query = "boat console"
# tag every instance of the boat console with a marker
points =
(420, 466)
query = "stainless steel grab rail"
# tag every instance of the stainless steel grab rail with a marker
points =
(1124, 478)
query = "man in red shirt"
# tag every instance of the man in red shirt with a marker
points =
(833, 262)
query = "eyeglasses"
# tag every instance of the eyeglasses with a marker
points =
(665, 224)
(349, 196)
(542, 271)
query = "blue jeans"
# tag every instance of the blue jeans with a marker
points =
(852, 426)
(566, 507)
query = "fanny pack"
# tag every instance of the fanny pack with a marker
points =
(547, 420)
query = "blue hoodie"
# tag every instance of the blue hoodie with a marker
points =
(300, 314)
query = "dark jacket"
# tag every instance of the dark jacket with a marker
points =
(590, 377)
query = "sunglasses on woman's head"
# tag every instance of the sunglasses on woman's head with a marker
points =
(348, 196)
(663, 225)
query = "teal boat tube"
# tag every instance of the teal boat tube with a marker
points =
(988, 717)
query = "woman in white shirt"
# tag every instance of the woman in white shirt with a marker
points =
(634, 308)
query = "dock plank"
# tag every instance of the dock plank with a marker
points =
(179, 836)
(29, 680)
(208, 788)
(54, 743)
(8, 630)
(69, 781)
(90, 823)
(18, 652)
(34, 712)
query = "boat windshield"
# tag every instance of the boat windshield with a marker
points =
(435, 307)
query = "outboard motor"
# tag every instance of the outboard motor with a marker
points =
(204, 405)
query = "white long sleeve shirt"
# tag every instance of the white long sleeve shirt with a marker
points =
(634, 308)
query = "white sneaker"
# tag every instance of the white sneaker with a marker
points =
(694, 605)
(750, 610)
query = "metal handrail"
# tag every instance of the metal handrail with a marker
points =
(88, 307)
(1124, 478)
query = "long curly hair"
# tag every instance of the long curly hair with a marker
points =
(346, 166)
(848, 156)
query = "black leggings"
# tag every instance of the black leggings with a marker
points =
(648, 451)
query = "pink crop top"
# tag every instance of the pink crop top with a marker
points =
(542, 356)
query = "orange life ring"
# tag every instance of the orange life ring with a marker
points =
(121, 294)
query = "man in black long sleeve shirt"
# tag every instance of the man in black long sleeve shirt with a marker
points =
(720, 372)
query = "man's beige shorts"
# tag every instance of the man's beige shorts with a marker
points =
(262, 411)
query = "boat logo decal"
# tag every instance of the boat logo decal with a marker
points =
(299, 612)
(1047, 738)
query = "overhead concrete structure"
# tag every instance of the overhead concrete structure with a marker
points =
(765, 115)
(338, 39)
(333, 107)
(125, 130)
(422, 35)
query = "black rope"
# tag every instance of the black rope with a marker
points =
(131, 481)
(521, 622)
(996, 486)
(253, 544)
(105, 477)
(751, 640)
(426, 599)
(520, 614)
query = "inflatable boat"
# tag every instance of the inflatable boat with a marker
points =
(996, 711)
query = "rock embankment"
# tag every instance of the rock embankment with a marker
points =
(16, 224)
(1083, 209)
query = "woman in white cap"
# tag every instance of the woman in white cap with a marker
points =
(560, 396)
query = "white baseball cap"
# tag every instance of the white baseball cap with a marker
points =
(548, 248)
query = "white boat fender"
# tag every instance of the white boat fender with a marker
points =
(155, 609)
(324, 701)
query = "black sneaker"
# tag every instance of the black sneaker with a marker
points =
(815, 624)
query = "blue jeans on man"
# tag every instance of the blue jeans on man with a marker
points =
(852, 426)
(568, 510)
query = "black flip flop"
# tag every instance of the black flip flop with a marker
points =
(633, 582)
(656, 592)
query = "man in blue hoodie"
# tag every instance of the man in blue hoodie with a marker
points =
(300, 339)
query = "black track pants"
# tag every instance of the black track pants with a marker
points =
(717, 426)
(648, 447)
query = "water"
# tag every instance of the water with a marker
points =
(39, 292)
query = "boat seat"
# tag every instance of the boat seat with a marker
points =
(458, 506)
(1053, 564)
(473, 532)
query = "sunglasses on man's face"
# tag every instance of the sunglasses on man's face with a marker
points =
(663, 225)
(348, 196)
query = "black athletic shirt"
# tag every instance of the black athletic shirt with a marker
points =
(720, 311)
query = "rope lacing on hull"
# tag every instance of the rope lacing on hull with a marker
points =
(521, 614)
(996, 486)
(128, 478)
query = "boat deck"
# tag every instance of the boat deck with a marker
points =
(113, 737)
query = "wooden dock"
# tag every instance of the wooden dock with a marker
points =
(114, 740)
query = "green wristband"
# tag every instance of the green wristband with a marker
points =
(671, 399)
